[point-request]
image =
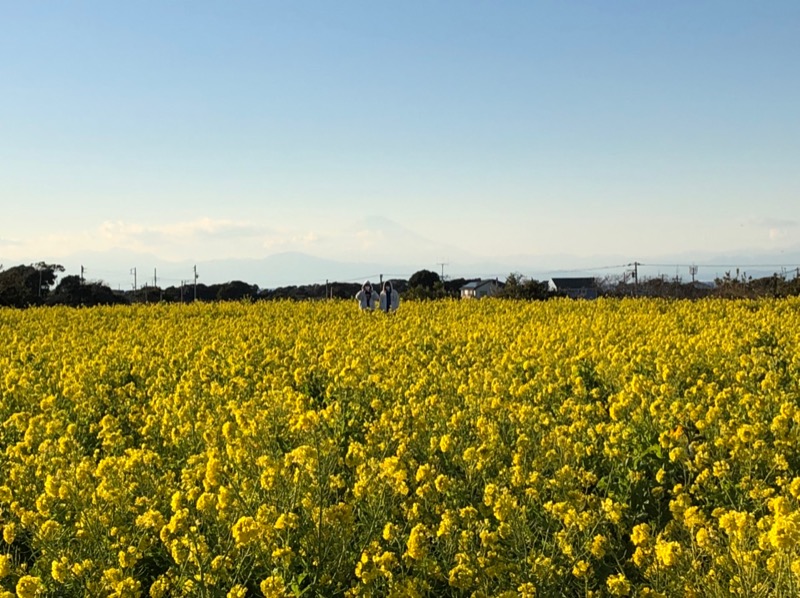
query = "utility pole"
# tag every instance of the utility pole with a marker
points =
(635, 277)
(183, 284)
(693, 271)
(195, 282)
(442, 264)
(155, 277)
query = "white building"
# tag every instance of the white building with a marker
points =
(478, 289)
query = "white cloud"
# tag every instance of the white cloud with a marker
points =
(289, 240)
(193, 229)
(771, 231)
(205, 238)
(775, 234)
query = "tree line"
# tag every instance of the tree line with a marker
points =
(39, 284)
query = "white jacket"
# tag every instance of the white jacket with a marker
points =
(394, 301)
(367, 299)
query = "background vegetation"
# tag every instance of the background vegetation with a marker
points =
(39, 284)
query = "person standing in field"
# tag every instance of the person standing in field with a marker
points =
(367, 297)
(390, 300)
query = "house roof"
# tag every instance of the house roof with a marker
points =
(476, 284)
(574, 283)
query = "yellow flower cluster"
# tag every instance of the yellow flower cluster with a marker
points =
(492, 448)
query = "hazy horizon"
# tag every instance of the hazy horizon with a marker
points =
(122, 270)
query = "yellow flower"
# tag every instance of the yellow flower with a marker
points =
(599, 546)
(160, 588)
(224, 498)
(29, 586)
(447, 525)
(667, 553)
(796, 567)
(283, 555)
(49, 529)
(735, 523)
(176, 501)
(151, 519)
(389, 532)
(78, 569)
(59, 569)
(121, 586)
(417, 545)
(582, 569)
(10, 532)
(206, 503)
(286, 521)
(461, 577)
(273, 587)
(424, 473)
(641, 557)
(703, 538)
(640, 534)
(213, 472)
(245, 531)
(785, 531)
(237, 591)
(395, 475)
(693, 517)
(504, 507)
(618, 585)
(128, 558)
(442, 483)
(613, 510)
(794, 488)
(5, 565)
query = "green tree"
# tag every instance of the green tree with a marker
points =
(424, 279)
(72, 290)
(23, 285)
(518, 286)
(425, 284)
(237, 290)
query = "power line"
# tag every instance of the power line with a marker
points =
(589, 268)
(718, 265)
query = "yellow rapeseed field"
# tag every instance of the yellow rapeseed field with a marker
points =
(486, 448)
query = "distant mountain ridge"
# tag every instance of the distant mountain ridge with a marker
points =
(382, 246)
(297, 268)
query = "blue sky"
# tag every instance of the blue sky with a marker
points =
(400, 133)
